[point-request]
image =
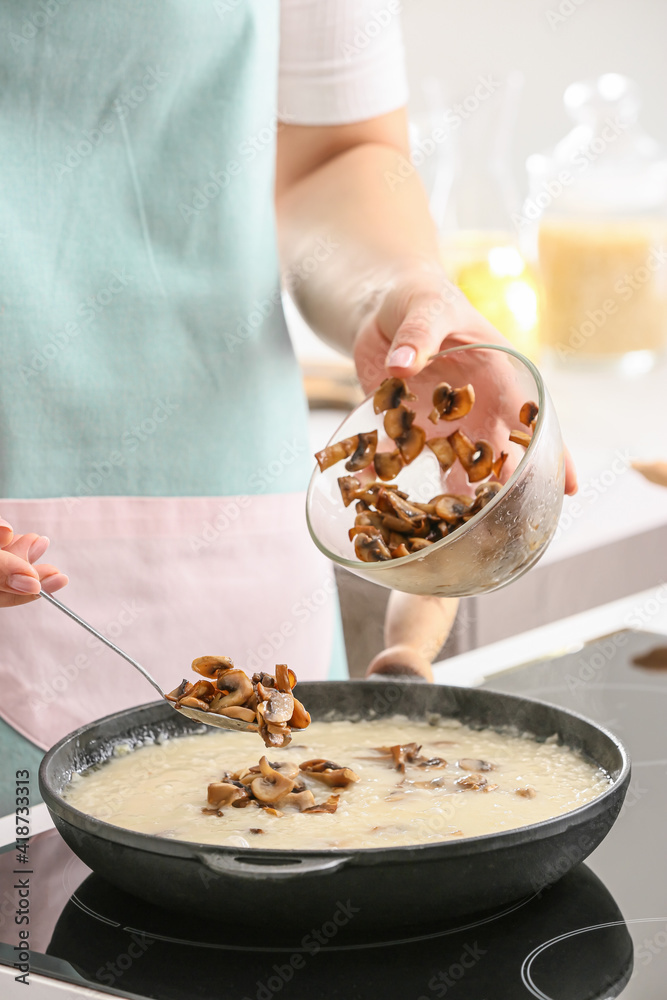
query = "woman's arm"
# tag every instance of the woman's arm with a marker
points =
(360, 250)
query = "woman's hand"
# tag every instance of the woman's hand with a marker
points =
(20, 580)
(418, 314)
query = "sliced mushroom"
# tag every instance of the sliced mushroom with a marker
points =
(191, 702)
(452, 508)
(285, 678)
(211, 666)
(234, 712)
(300, 717)
(224, 793)
(271, 785)
(182, 691)
(397, 422)
(390, 394)
(399, 551)
(443, 451)
(336, 452)
(349, 486)
(528, 414)
(388, 464)
(329, 806)
(400, 754)
(520, 437)
(238, 688)
(364, 452)
(417, 544)
(528, 792)
(474, 782)
(303, 800)
(280, 707)
(411, 444)
(328, 772)
(476, 459)
(371, 548)
(483, 495)
(451, 404)
(204, 690)
(498, 463)
(273, 734)
(469, 764)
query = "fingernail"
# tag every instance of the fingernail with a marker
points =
(402, 357)
(5, 524)
(38, 548)
(23, 584)
(55, 582)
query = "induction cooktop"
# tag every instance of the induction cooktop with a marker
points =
(599, 932)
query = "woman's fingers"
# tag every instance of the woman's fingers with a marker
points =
(51, 578)
(6, 533)
(19, 581)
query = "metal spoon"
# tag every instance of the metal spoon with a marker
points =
(207, 718)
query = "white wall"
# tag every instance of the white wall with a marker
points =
(459, 40)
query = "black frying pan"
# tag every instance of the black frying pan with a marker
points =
(394, 885)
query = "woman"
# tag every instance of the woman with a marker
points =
(153, 422)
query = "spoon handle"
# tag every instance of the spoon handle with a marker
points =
(102, 638)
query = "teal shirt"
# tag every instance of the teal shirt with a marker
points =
(144, 346)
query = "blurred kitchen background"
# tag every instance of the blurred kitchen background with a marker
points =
(551, 200)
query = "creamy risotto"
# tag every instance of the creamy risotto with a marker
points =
(462, 783)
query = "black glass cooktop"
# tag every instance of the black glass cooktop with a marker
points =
(599, 932)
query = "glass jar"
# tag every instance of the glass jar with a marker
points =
(598, 208)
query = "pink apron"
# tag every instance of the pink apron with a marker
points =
(168, 579)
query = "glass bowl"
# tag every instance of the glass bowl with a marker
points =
(508, 536)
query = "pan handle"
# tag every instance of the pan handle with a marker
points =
(242, 867)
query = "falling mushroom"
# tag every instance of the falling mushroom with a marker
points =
(390, 394)
(364, 452)
(388, 464)
(528, 414)
(397, 422)
(443, 451)
(476, 459)
(520, 437)
(451, 404)
(349, 487)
